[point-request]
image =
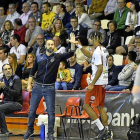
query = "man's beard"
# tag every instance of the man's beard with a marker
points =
(50, 50)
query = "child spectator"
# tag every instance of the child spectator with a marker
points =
(63, 76)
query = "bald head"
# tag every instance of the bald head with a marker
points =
(57, 41)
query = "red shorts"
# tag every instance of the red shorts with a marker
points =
(96, 96)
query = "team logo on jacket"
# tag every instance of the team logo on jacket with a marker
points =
(52, 60)
(11, 83)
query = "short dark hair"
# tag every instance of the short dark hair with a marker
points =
(63, 6)
(17, 37)
(113, 22)
(47, 3)
(4, 50)
(74, 17)
(64, 63)
(123, 0)
(132, 55)
(34, 3)
(97, 20)
(111, 56)
(18, 21)
(83, 40)
(5, 65)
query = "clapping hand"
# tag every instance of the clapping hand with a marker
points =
(72, 38)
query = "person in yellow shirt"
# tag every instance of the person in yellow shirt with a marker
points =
(47, 16)
(63, 76)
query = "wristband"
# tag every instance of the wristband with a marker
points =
(79, 46)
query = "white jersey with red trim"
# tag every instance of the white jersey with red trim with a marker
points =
(100, 57)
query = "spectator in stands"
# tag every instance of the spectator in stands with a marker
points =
(12, 59)
(19, 49)
(2, 17)
(96, 8)
(132, 20)
(32, 32)
(113, 38)
(129, 88)
(10, 86)
(136, 87)
(13, 14)
(3, 45)
(125, 76)
(19, 6)
(27, 68)
(63, 76)
(20, 30)
(59, 30)
(7, 31)
(110, 9)
(137, 43)
(57, 42)
(71, 13)
(113, 72)
(83, 17)
(3, 59)
(76, 74)
(26, 12)
(47, 17)
(120, 15)
(39, 46)
(62, 14)
(97, 27)
(36, 13)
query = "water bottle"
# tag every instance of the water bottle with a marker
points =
(42, 130)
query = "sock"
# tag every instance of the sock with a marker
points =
(99, 124)
(106, 127)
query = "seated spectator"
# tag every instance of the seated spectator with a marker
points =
(2, 17)
(7, 32)
(18, 49)
(97, 27)
(83, 17)
(58, 45)
(26, 12)
(96, 8)
(32, 32)
(12, 59)
(71, 13)
(76, 74)
(137, 43)
(58, 30)
(10, 86)
(47, 17)
(13, 14)
(113, 72)
(3, 45)
(20, 30)
(36, 13)
(3, 59)
(80, 57)
(63, 76)
(39, 46)
(132, 20)
(129, 88)
(62, 14)
(120, 15)
(113, 38)
(110, 9)
(27, 68)
(125, 76)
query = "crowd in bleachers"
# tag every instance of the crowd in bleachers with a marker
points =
(25, 25)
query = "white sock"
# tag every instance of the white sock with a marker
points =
(106, 127)
(99, 124)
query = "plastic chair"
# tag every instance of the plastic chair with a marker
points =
(69, 110)
(104, 23)
(84, 83)
(118, 59)
(41, 108)
(128, 40)
(26, 104)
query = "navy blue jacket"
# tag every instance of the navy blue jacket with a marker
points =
(113, 75)
(47, 67)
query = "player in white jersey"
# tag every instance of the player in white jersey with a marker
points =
(95, 94)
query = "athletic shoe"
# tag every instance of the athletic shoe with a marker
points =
(28, 134)
(50, 136)
(101, 134)
(4, 134)
(109, 135)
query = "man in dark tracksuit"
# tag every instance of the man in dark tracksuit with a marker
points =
(10, 86)
(46, 65)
